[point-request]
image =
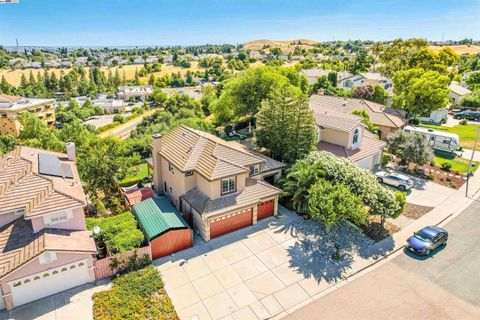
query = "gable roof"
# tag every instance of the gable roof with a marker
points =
(19, 244)
(22, 186)
(455, 87)
(193, 150)
(379, 114)
(331, 118)
(157, 215)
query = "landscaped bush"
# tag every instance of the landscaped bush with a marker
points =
(463, 122)
(136, 295)
(446, 166)
(324, 165)
(414, 121)
(119, 233)
(386, 158)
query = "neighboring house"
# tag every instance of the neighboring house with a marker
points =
(388, 120)
(110, 106)
(344, 135)
(44, 247)
(12, 106)
(151, 60)
(194, 92)
(457, 92)
(52, 64)
(219, 186)
(65, 64)
(168, 59)
(35, 65)
(312, 75)
(137, 92)
(138, 61)
(363, 79)
(256, 54)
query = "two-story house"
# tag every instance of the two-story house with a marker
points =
(344, 135)
(44, 247)
(388, 120)
(12, 106)
(218, 186)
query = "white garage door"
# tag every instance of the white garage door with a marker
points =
(365, 163)
(49, 282)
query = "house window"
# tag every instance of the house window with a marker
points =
(356, 136)
(47, 257)
(228, 185)
(170, 167)
(255, 169)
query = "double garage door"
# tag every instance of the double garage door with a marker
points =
(231, 222)
(49, 282)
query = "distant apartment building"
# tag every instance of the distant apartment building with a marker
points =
(136, 92)
(12, 106)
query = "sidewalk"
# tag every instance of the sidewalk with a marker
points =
(388, 248)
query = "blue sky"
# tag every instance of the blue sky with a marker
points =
(183, 22)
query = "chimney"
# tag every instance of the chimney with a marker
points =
(71, 155)
(156, 161)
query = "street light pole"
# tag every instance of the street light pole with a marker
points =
(471, 160)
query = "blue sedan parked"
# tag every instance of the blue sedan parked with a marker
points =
(426, 240)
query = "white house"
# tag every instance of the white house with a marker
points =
(457, 92)
(363, 79)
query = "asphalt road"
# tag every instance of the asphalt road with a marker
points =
(445, 285)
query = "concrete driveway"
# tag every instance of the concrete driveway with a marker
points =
(73, 304)
(261, 271)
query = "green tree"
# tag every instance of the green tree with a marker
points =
(419, 92)
(7, 143)
(285, 124)
(297, 183)
(366, 119)
(473, 81)
(410, 147)
(380, 95)
(331, 203)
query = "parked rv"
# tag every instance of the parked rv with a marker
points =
(438, 140)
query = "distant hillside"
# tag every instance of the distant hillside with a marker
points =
(285, 45)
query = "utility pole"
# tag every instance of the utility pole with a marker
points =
(471, 160)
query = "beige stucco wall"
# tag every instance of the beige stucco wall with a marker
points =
(76, 223)
(337, 137)
(7, 218)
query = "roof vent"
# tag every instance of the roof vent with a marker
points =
(184, 134)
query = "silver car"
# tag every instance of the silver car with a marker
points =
(397, 180)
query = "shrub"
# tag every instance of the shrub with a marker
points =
(119, 233)
(386, 158)
(118, 118)
(446, 166)
(361, 182)
(448, 179)
(430, 177)
(453, 184)
(463, 122)
(414, 121)
(136, 295)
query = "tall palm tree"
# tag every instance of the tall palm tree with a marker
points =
(298, 181)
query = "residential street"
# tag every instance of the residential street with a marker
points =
(445, 285)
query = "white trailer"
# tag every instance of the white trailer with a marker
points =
(438, 140)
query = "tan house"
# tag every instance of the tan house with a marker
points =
(12, 106)
(44, 247)
(344, 135)
(218, 186)
(363, 79)
(388, 120)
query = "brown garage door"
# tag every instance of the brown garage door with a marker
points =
(265, 209)
(229, 223)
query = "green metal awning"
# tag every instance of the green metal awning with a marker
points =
(157, 215)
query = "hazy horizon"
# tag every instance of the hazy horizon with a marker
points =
(131, 23)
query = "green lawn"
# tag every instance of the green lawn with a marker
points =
(141, 172)
(458, 164)
(467, 133)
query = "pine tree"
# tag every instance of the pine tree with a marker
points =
(23, 81)
(151, 79)
(31, 79)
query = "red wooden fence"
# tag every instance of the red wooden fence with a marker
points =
(102, 266)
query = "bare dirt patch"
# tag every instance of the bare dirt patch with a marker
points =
(415, 211)
(375, 231)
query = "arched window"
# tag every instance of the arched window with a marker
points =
(356, 136)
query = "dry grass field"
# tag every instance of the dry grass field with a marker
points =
(14, 76)
(285, 45)
(461, 49)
